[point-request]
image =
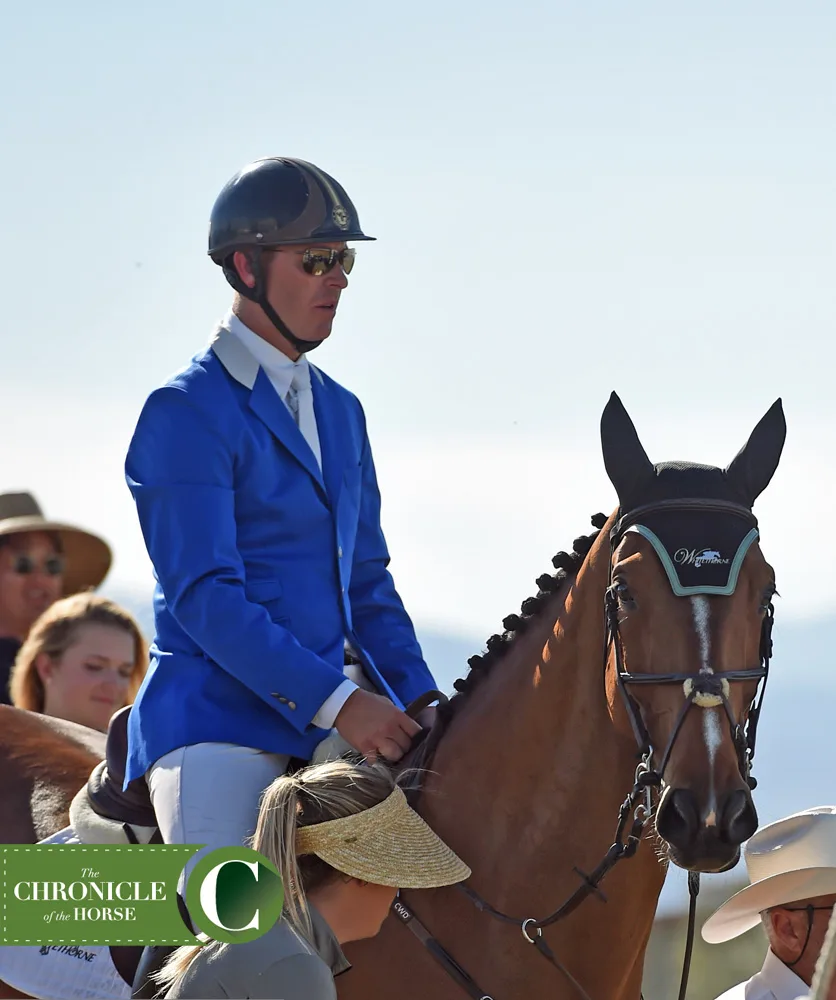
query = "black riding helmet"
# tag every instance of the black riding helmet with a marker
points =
(273, 202)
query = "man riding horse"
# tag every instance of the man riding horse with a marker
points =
(276, 618)
(637, 669)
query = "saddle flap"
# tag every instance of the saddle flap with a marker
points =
(104, 786)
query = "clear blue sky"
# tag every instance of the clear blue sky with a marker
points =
(568, 198)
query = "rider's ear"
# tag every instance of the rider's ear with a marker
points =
(787, 930)
(625, 459)
(243, 265)
(44, 667)
(754, 465)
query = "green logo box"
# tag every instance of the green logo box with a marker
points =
(59, 894)
(54, 894)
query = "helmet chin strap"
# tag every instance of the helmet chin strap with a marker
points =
(302, 346)
(258, 294)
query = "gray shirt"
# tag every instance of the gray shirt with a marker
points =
(280, 963)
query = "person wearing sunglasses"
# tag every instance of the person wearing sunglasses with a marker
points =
(279, 632)
(40, 561)
(792, 893)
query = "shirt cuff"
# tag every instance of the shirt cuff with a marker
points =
(330, 708)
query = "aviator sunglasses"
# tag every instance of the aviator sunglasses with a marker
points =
(320, 260)
(23, 565)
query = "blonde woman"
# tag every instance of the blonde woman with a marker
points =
(343, 838)
(83, 660)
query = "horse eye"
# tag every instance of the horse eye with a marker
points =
(766, 600)
(622, 591)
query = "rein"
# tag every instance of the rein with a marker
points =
(703, 690)
(638, 803)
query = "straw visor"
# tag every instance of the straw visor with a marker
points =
(388, 844)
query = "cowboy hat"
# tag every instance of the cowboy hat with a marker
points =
(87, 556)
(787, 861)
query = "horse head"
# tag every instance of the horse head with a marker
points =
(689, 616)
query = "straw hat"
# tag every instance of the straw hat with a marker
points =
(787, 861)
(87, 556)
(388, 844)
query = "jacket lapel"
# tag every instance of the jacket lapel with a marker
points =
(264, 400)
(265, 403)
(329, 428)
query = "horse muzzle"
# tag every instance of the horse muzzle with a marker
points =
(705, 843)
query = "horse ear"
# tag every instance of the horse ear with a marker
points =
(755, 464)
(625, 459)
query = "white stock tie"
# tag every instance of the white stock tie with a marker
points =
(299, 401)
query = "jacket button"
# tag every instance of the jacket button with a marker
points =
(281, 697)
(291, 705)
(340, 552)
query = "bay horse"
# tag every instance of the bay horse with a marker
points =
(654, 633)
(626, 689)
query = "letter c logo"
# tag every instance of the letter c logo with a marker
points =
(234, 895)
(209, 895)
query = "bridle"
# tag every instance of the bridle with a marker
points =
(702, 689)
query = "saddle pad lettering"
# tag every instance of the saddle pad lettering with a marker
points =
(63, 972)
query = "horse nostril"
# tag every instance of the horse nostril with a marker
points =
(677, 820)
(738, 820)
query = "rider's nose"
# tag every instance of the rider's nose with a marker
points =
(338, 278)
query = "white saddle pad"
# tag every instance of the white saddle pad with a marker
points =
(63, 972)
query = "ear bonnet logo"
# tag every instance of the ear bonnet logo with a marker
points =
(706, 557)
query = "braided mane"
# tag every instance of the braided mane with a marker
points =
(566, 564)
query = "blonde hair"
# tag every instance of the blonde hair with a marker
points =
(53, 633)
(316, 794)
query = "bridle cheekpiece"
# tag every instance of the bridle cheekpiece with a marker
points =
(704, 689)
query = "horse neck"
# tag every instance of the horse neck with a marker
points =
(529, 779)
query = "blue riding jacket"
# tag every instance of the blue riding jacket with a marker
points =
(265, 564)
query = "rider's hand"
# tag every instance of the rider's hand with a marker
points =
(426, 717)
(374, 726)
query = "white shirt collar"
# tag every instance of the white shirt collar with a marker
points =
(781, 980)
(279, 367)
